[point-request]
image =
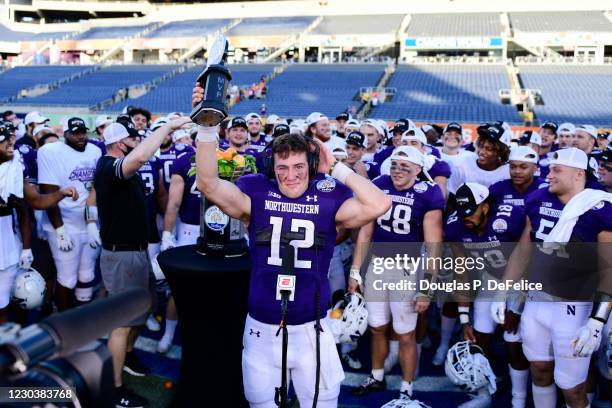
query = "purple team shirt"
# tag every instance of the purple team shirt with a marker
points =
(168, 157)
(404, 220)
(566, 271)
(505, 224)
(308, 224)
(504, 191)
(189, 212)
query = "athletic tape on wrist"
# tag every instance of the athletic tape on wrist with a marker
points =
(464, 314)
(341, 172)
(207, 134)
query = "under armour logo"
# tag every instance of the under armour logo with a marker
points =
(125, 402)
(311, 198)
(257, 333)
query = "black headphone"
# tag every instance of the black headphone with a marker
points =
(312, 155)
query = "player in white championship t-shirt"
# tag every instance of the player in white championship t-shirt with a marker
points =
(71, 226)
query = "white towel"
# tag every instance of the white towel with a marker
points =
(11, 178)
(575, 207)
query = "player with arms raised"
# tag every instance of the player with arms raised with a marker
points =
(292, 205)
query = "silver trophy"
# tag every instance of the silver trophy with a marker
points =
(214, 79)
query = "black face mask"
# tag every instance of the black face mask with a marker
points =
(75, 147)
(127, 150)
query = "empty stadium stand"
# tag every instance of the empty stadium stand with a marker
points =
(381, 24)
(454, 25)
(553, 21)
(174, 94)
(51, 36)
(111, 32)
(465, 93)
(272, 26)
(13, 81)
(95, 87)
(328, 88)
(188, 28)
(571, 93)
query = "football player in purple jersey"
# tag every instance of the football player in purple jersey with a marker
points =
(257, 139)
(522, 181)
(484, 229)
(561, 325)
(415, 217)
(605, 169)
(439, 170)
(294, 204)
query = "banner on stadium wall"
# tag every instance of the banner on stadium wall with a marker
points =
(348, 40)
(454, 43)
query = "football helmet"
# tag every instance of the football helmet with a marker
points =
(354, 320)
(29, 289)
(405, 403)
(467, 367)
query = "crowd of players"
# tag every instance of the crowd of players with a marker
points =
(436, 187)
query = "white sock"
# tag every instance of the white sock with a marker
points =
(519, 380)
(446, 330)
(544, 397)
(406, 387)
(170, 328)
(378, 373)
(590, 397)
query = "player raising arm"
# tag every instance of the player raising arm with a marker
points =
(293, 207)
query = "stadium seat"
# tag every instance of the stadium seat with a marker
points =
(454, 25)
(571, 93)
(464, 93)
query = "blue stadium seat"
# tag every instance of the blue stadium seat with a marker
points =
(465, 93)
(188, 28)
(14, 80)
(571, 93)
(98, 86)
(111, 32)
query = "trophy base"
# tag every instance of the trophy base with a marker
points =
(207, 115)
(233, 248)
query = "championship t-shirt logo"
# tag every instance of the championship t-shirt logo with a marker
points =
(500, 225)
(326, 185)
(420, 187)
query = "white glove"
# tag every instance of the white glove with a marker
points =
(26, 259)
(93, 235)
(167, 241)
(498, 312)
(587, 338)
(64, 242)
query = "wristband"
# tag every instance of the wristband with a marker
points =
(340, 171)
(464, 314)
(355, 274)
(60, 230)
(91, 213)
(207, 134)
(601, 307)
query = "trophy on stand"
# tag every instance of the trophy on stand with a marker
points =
(220, 235)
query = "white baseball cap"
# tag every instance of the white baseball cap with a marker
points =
(272, 119)
(41, 127)
(352, 123)
(174, 115)
(115, 132)
(180, 133)
(375, 124)
(468, 197)
(418, 135)
(159, 122)
(34, 117)
(524, 154)
(102, 120)
(408, 153)
(567, 128)
(590, 129)
(315, 117)
(339, 151)
(253, 115)
(571, 157)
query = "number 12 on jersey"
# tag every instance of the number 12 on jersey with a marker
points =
(306, 227)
